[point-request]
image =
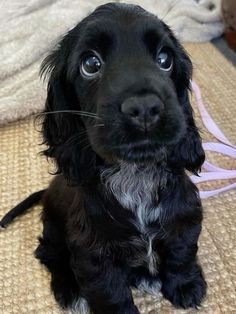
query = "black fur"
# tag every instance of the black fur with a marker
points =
(91, 244)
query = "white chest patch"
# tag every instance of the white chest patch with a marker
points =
(135, 187)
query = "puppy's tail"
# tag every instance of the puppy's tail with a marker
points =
(21, 208)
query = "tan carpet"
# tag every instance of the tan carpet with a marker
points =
(24, 284)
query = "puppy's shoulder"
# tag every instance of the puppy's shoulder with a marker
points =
(59, 195)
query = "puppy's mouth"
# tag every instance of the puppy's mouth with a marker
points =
(148, 149)
(130, 145)
(142, 151)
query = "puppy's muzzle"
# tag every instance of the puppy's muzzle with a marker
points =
(143, 111)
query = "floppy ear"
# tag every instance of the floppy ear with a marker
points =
(64, 133)
(188, 153)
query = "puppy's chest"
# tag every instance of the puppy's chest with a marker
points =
(136, 189)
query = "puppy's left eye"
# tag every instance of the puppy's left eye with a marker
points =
(165, 59)
(90, 66)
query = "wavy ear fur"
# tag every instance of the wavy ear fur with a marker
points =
(64, 133)
(188, 153)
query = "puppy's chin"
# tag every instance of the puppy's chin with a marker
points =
(133, 153)
(142, 157)
(144, 152)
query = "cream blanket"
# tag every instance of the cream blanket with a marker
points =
(30, 28)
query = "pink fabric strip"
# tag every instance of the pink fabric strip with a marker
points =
(220, 148)
(210, 167)
(206, 194)
(206, 118)
(225, 147)
(211, 176)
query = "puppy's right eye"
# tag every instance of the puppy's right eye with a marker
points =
(90, 66)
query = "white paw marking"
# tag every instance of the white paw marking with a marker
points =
(150, 288)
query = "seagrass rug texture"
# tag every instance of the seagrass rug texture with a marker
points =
(24, 283)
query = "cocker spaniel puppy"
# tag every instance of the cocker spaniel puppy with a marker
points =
(122, 212)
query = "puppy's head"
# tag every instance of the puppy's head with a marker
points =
(119, 80)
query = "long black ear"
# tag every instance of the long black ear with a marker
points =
(188, 153)
(64, 133)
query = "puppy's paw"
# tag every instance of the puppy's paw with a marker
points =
(185, 295)
(152, 287)
(80, 306)
(65, 291)
(129, 310)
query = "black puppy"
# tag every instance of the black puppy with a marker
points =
(122, 212)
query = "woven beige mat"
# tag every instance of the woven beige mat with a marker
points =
(24, 284)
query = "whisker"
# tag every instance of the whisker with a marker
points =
(76, 112)
(81, 136)
(71, 111)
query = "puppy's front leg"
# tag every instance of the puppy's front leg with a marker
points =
(103, 284)
(183, 283)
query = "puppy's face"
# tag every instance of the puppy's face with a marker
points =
(122, 65)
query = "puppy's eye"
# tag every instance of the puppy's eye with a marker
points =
(90, 65)
(165, 59)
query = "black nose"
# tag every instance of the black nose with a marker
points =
(143, 111)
